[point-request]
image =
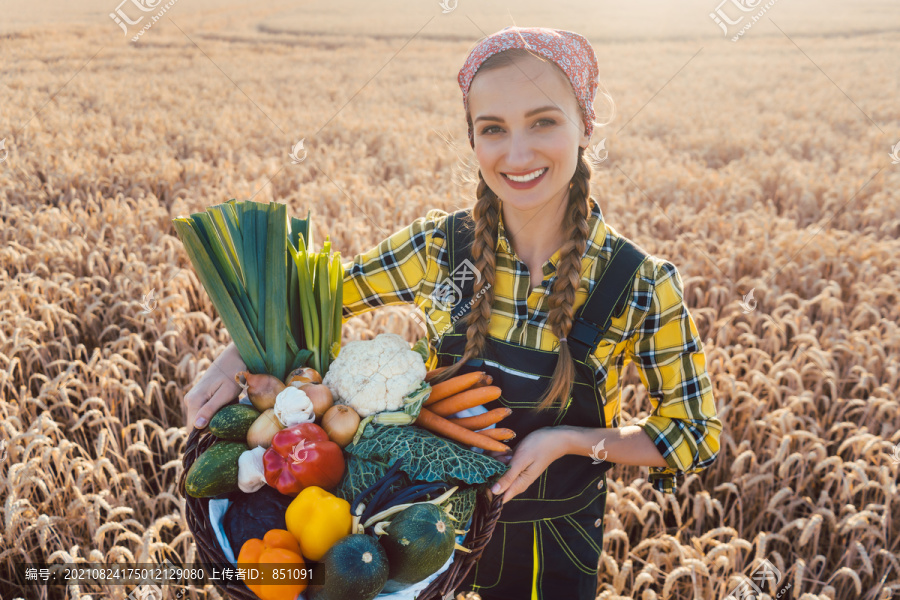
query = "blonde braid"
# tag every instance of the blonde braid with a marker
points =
(486, 215)
(568, 279)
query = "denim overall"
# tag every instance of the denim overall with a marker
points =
(548, 539)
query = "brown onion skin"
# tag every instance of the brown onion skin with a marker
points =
(264, 429)
(261, 389)
(340, 423)
(303, 375)
(320, 396)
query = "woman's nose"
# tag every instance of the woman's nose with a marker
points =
(520, 152)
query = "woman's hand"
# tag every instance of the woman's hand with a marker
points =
(532, 456)
(215, 389)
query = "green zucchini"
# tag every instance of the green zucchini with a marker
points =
(215, 471)
(355, 568)
(418, 542)
(232, 422)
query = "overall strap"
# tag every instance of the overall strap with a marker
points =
(608, 298)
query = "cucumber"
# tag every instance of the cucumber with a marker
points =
(355, 568)
(215, 471)
(233, 421)
(418, 542)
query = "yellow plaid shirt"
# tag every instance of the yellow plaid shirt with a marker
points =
(656, 331)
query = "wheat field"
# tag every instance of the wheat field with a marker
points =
(762, 165)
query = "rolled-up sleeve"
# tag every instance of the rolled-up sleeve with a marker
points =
(393, 271)
(669, 357)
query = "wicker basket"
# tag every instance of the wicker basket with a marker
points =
(484, 519)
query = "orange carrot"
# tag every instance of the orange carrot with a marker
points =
(486, 380)
(452, 386)
(441, 426)
(483, 420)
(501, 434)
(431, 374)
(464, 400)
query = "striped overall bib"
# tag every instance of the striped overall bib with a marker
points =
(548, 539)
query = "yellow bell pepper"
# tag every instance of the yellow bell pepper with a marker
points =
(317, 520)
(277, 547)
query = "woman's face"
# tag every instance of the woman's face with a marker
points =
(513, 136)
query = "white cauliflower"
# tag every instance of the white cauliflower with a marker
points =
(373, 376)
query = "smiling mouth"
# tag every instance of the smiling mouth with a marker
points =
(525, 178)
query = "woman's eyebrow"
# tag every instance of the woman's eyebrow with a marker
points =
(528, 114)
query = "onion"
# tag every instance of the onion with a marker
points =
(261, 389)
(299, 377)
(320, 396)
(264, 429)
(340, 423)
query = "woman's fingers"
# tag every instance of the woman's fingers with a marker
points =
(516, 479)
(215, 389)
(223, 395)
(504, 456)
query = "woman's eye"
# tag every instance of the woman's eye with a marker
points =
(487, 130)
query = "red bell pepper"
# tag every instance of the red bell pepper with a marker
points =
(301, 456)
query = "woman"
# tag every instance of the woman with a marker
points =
(553, 303)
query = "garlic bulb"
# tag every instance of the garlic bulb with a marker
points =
(293, 406)
(251, 473)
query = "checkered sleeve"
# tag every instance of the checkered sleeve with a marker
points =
(670, 361)
(393, 271)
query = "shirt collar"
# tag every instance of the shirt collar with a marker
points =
(594, 220)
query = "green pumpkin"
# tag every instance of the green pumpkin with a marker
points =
(355, 568)
(418, 542)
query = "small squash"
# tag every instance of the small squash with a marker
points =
(418, 542)
(355, 568)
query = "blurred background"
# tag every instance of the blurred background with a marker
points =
(754, 145)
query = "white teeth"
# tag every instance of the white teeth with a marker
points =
(528, 177)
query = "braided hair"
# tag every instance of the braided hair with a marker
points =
(486, 215)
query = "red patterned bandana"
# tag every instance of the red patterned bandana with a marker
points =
(571, 51)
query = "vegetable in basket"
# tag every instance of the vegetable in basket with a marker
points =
(278, 547)
(215, 471)
(232, 422)
(252, 515)
(239, 251)
(317, 520)
(427, 458)
(374, 376)
(355, 568)
(418, 541)
(302, 456)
